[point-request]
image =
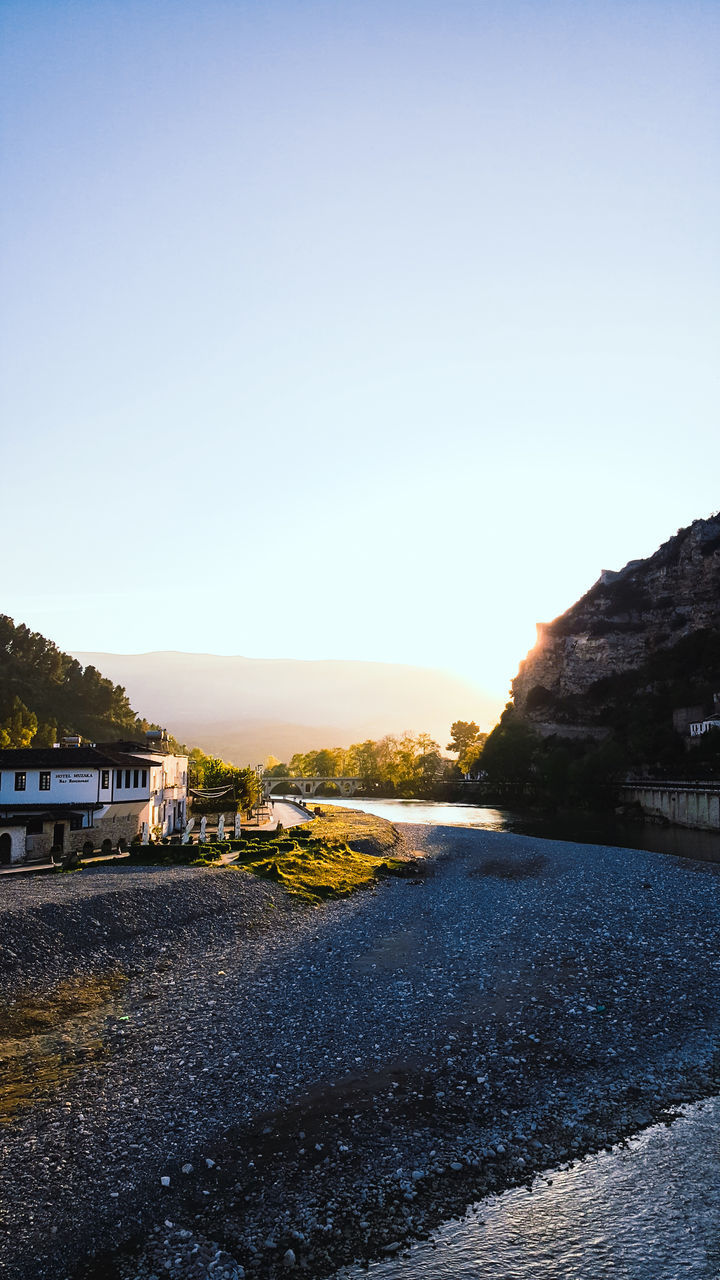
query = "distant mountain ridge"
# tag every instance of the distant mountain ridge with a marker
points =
(247, 708)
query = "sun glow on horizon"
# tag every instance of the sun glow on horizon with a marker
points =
(362, 332)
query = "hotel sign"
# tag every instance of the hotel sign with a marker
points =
(74, 777)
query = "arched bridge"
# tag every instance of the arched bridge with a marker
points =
(311, 786)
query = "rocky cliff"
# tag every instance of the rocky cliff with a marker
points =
(649, 622)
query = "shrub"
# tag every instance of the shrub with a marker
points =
(106, 846)
(88, 848)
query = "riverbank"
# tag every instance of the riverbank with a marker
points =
(342, 1079)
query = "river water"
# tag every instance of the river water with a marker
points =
(649, 1210)
(585, 829)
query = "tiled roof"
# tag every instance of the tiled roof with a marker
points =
(48, 809)
(102, 757)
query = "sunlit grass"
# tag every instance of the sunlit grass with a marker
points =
(339, 851)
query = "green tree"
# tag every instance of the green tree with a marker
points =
(467, 740)
(463, 735)
(20, 726)
(363, 761)
(210, 773)
(509, 752)
(276, 769)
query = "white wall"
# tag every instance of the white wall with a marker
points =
(17, 837)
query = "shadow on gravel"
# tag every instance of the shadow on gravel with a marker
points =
(512, 868)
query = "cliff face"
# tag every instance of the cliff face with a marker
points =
(624, 622)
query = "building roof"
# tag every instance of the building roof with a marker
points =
(134, 748)
(48, 810)
(100, 757)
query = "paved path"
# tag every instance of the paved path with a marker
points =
(291, 815)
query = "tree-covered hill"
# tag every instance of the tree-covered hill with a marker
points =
(45, 693)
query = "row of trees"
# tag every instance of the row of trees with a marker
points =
(405, 765)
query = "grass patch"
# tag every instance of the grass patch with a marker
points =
(363, 832)
(340, 851)
(180, 855)
(45, 1041)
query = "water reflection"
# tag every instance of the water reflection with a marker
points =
(580, 828)
(650, 1211)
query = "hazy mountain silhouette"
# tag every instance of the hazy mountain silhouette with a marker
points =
(247, 708)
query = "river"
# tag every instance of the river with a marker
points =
(585, 828)
(648, 1210)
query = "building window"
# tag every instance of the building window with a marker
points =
(45, 781)
(118, 777)
(136, 777)
(34, 826)
(127, 777)
(104, 779)
(76, 822)
(144, 777)
(19, 781)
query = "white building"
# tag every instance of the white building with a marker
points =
(62, 796)
(699, 727)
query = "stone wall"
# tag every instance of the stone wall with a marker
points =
(123, 826)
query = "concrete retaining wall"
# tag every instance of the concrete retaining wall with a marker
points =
(685, 805)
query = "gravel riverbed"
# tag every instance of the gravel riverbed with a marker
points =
(278, 1088)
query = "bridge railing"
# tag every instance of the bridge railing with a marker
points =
(665, 784)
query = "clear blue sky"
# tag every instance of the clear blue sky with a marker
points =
(414, 305)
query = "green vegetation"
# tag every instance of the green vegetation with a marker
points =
(361, 831)
(45, 693)
(339, 851)
(169, 854)
(468, 741)
(336, 852)
(410, 765)
(209, 772)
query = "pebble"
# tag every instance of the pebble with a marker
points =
(427, 1026)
